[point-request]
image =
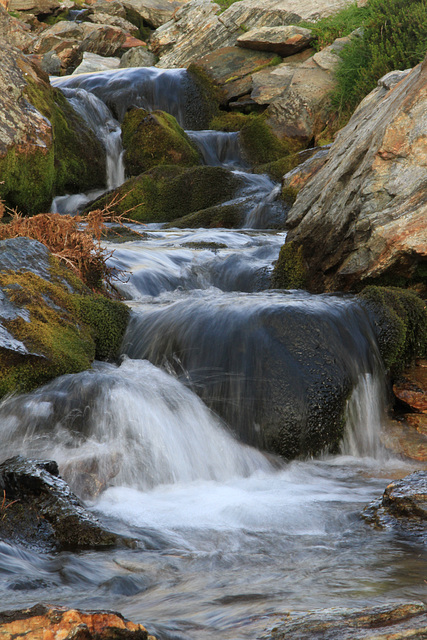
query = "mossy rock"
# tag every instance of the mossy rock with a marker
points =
(208, 96)
(400, 321)
(166, 193)
(152, 139)
(290, 271)
(228, 216)
(75, 162)
(277, 169)
(260, 145)
(60, 323)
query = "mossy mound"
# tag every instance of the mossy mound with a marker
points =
(400, 320)
(227, 216)
(155, 138)
(260, 145)
(75, 162)
(60, 323)
(166, 193)
(208, 95)
(289, 271)
(277, 169)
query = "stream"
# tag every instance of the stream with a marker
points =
(165, 446)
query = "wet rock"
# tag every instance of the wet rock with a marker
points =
(42, 621)
(165, 193)
(34, 488)
(397, 621)
(231, 69)
(155, 12)
(285, 41)
(198, 28)
(407, 437)
(92, 62)
(137, 57)
(411, 389)
(152, 139)
(45, 147)
(403, 506)
(363, 216)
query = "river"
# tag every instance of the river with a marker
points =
(160, 445)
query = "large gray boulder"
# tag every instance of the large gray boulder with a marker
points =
(363, 215)
(198, 28)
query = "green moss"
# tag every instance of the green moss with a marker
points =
(277, 169)
(289, 195)
(210, 95)
(165, 193)
(222, 216)
(60, 17)
(226, 121)
(400, 319)
(152, 139)
(290, 271)
(107, 320)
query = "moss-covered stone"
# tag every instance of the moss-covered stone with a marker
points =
(289, 195)
(222, 216)
(155, 138)
(290, 271)
(400, 320)
(63, 327)
(209, 94)
(277, 169)
(166, 193)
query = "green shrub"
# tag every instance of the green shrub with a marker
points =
(338, 25)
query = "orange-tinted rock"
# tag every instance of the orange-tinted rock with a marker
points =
(131, 42)
(14, 32)
(412, 387)
(406, 439)
(418, 421)
(43, 622)
(297, 178)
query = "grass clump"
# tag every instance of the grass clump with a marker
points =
(400, 319)
(338, 25)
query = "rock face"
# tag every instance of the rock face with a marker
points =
(198, 29)
(45, 147)
(403, 506)
(378, 623)
(35, 493)
(42, 621)
(363, 216)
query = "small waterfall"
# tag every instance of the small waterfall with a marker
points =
(365, 413)
(219, 148)
(132, 425)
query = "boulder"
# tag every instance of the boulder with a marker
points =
(45, 147)
(152, 139)
(403, 507)
(154, 12)
(37, 7)
(35, 493)
(115, 21)
(411, 388)
(165, 193)
(362, 217)
(137, 57)
(382, 622)
(92, 62)
(50, 322)
(42, 621)
(110, 7)
(198, 28)
(105, 41)
(407, 437)
(14, 32)
(285, 41)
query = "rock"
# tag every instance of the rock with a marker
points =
(294, 180)
(105, 41)
(155, 138)
(114, 21)
(165, 193)
(137, 57)
(403, 506)
(197, 30)
(285, 41)
(411, 388)
(155, 12)
(407, 437)
(14, 32)
(34, 491)
(45, 147)
(67, 53)
(110, 7)
(363, 215)
(231, 69)
(226, 216)
(51, 324)
(296, 93)
(382, 622)
(43, 621)
(92, 62)
(37, 7)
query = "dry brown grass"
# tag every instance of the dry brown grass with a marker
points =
(74, 240)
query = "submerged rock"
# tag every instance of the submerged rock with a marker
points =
(403, 506)
(40, 509)
(383, 622)
(362, 217)
(42, 621)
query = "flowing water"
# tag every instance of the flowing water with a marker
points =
(228, 537)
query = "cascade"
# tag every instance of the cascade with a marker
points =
(160, 445)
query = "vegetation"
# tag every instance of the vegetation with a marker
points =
(222, 216)
(290, 271)
(400, 319)
(394, 36)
